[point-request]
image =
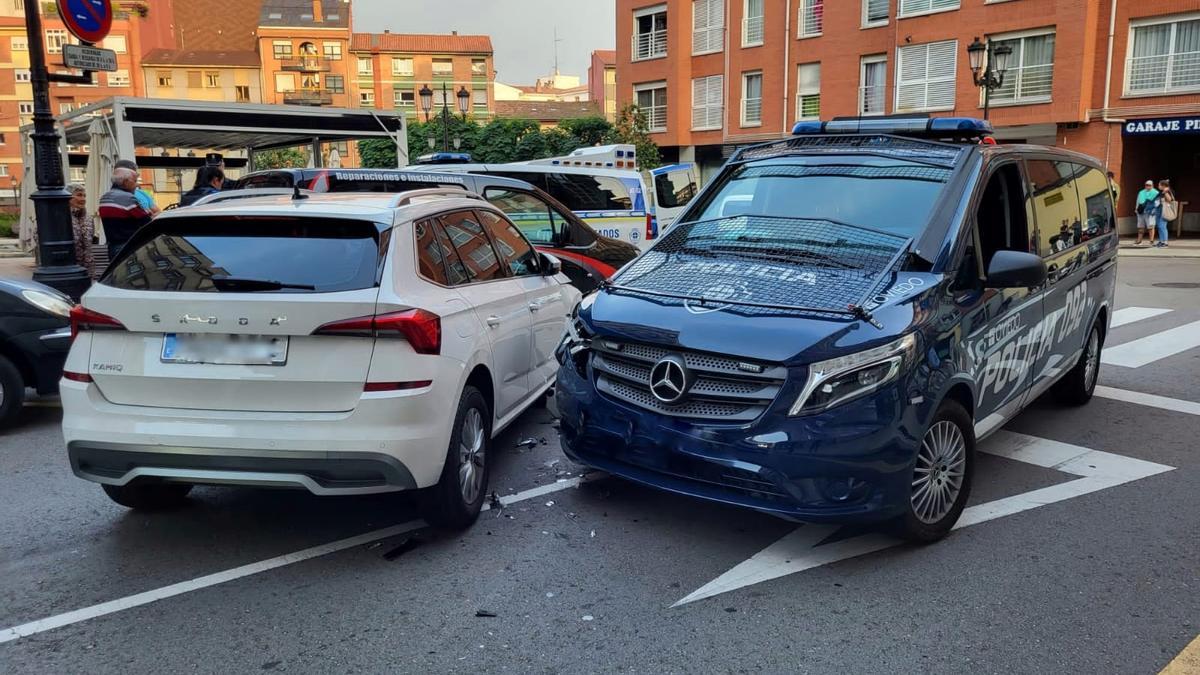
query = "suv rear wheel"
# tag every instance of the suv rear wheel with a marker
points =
(455, 501)
(1078, 385)
(149, 496)
(941, 478)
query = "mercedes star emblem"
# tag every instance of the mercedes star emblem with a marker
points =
(669, 379)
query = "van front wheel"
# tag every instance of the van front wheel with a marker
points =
(940, 483)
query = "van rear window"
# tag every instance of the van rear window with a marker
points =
(249, 254)
(582, 192)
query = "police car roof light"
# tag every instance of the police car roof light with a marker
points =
(936, 127)
(445, 158)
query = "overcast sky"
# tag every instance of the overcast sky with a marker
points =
(522, 30)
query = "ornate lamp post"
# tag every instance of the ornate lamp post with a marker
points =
(989, 62)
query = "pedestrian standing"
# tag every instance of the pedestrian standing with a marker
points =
(139, 194)
(209, 180)
(120, 212)
(1147, 219)
(83, 226)
(1168, 210)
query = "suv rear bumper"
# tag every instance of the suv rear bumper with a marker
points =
(390, 441)
(347, 473)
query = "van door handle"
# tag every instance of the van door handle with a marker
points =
(535, 306)
(493, 321)
(1052, 273)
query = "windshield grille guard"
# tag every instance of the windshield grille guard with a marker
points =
(930, 152)
(854, 307)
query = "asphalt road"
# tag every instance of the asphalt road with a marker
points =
(1084, 576)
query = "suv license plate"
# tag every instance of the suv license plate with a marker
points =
(234, 350)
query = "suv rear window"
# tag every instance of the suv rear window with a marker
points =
(250, 254)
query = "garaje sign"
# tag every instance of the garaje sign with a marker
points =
(88, 20)
(1162, 126)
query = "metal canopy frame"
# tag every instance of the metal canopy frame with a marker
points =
(202, 125)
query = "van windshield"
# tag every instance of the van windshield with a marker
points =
(249, 254)
(887, 195)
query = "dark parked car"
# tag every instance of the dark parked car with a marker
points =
(587, 257)
(35, 335)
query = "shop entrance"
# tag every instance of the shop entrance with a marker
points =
(1172, 156)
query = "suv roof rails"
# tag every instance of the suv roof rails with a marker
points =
(246, 193)
(405, 198)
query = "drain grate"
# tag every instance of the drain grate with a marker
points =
(1177, 284)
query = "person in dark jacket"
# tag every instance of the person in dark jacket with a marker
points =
(119, 210)
(209, 180)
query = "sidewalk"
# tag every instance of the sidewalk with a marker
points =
(16, 268)
(1177, 248)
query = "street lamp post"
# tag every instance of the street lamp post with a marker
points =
(464, 102)
(988, 64)
(57, 266)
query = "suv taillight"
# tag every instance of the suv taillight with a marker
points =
(651, 227)
(422, 329)
(83, 318)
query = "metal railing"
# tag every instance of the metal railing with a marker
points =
(871, 99)
(649, 45)
(752, 31)
(1164, 73)
(308, 97)
(656, 117)
(812, 17)
(305, 64)
(751, 111)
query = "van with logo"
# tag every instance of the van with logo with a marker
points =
(839, 317)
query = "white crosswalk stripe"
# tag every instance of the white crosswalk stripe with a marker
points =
(1127, 315)
(1143, 351)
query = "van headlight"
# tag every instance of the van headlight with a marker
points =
(51, 304)
(836, 381)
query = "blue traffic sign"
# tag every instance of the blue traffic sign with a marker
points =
(88, 20)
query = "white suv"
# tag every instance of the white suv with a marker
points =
(340, 343)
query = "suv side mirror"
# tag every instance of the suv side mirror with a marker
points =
(549, 265)
(1015, 269)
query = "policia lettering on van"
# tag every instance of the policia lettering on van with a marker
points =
(837, 318)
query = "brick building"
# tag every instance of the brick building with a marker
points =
(714, 74)
(602, 82)
(391, 68)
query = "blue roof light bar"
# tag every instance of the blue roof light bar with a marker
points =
(906, 126)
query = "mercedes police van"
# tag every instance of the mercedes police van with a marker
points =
(838, 318)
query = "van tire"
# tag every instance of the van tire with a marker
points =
(950, 430)
(149, 496)
(1078, 385)
(12, 392)
(449, 504)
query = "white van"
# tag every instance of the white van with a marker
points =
(602, 186)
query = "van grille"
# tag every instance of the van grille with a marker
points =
(723, 389)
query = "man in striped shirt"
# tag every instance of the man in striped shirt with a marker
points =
(120, 212)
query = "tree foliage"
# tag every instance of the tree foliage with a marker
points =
(504, 140)
(281, 158)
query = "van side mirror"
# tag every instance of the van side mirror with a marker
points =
(1015, 269)
(549, 265)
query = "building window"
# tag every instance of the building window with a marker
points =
(403, 98)
(872, 87)
(402, 67)
(708, 26)
(752, 99)
(3, 140)
(650, 33)
(875, 13)
(78, 174)
(443, 67)
(242, 93)
(812, 18)
(25, 108)
(55, 39)
(479, 98)
(925, 76)
(65, 107)
(915, 7)
(22, 75)
(336, 84)
(285, 82)
(282, 49)
(708, 93)
(212, 79)
(1030, 74)
(164, 78)
(1165, 57)
(652, 100)
(752, 23)
(366, 99)
(20, 44)
(332, 50)
(116, 43)
(479, 67)
(808, 91)
(4, 170)
(118, 78)
(365, 67)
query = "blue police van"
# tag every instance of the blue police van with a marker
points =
(839, 317)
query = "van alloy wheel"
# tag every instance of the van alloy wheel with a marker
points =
(471, 456)
(1091, 365)
(938, 476)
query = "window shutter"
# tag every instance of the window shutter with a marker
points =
(910, 71)
(940, 64)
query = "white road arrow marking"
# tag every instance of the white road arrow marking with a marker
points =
(799, 550)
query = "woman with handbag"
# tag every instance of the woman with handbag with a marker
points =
(1168, 210)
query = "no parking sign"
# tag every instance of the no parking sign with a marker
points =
(88, 20)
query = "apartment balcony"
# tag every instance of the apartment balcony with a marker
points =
(306, 64)
(650, 45)
(314, 97)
